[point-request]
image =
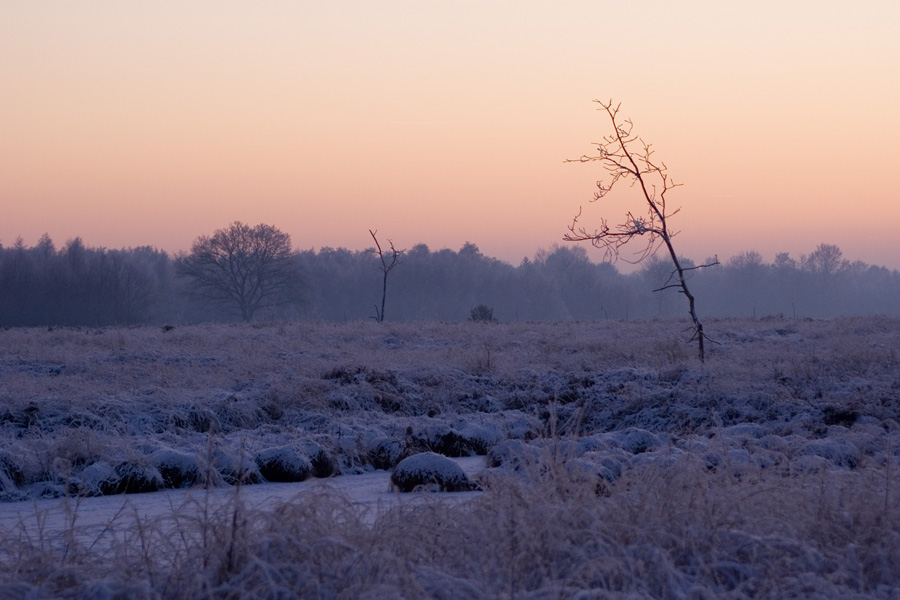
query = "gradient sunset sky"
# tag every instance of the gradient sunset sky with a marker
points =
(134, 123)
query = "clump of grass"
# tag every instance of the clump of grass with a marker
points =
(545, 530)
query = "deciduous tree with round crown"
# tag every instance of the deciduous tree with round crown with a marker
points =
(243, 268)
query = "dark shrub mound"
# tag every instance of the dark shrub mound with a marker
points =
(30, 416)
(385, 452)
(429, 471)
(442, 438)
(137, 479)
(513, 454)
(99, 479)
(837, 416)
(178, 469)
(11, 477)
(448, 442)
(637, 441)
(8, 490)
(479, 439)
(324, 464)
(283, 464)
(236, 468)
(10, 469)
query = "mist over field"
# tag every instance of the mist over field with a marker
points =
(76, 285)
(615, 463)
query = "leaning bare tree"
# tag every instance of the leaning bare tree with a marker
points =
(626, 157)
(242, 267)
(389, 260)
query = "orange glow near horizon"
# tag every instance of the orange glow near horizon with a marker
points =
(132, 124)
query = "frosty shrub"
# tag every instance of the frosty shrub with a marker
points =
(385, 452)
(482, 314)
(283, 464)
(427, 471)
(100, 479)
(136, 478)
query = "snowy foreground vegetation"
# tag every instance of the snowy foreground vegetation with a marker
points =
(618, 466)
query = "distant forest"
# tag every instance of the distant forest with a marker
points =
(76, 285)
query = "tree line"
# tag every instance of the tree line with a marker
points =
(77, 285)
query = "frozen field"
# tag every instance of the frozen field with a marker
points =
(618, 465)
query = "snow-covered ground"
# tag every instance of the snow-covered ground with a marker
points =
(99, 519)
(620, 466)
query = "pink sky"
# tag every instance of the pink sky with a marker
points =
(150, 123)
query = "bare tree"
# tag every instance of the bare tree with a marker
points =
(626, 157)
(389, 260)
(826, 261)
(822, 270)
(243, 267)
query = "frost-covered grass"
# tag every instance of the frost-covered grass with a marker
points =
(621, 466)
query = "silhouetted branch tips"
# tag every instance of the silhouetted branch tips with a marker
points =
(668, 287)
(626, 156)
(667, 284)
(713, 263)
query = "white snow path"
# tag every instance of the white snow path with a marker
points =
(99, 518)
